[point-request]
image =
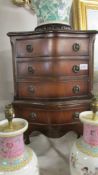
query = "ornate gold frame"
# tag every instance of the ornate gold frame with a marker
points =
(79, 13)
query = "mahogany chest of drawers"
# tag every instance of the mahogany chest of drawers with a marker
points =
(53, 78)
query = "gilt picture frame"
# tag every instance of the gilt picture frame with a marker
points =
(82, 11)
(85, 17)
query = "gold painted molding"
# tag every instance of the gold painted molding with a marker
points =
(79, 12)
(21, 2)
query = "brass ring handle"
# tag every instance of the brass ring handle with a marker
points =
(33, 115)
(76, 115)
(30, 69)
(29, 48)
(76, 68)
(31, 89)
(76, 47)
(76, 89)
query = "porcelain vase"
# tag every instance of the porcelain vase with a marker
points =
(84, 153)
(15, 157)
(52, 11)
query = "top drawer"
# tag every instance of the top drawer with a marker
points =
(56, 46)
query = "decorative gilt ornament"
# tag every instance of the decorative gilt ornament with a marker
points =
(94, 108)
(21, 2)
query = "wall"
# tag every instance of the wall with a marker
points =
(12, 18)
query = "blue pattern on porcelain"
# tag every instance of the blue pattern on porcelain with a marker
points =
(52, 11)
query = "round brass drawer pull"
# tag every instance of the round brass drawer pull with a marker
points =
(31, 89)
(33, 115)
(30, 69)
(76, 47)
(76, 68)
(76, 89)
(29, 48)
(76, 115)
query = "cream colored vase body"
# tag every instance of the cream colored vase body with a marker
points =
(15, 157)
(84, 153)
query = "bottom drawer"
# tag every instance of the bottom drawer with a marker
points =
(50, 116)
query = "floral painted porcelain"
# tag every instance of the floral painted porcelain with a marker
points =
(84, 153)
(15, 157)
(52, 11)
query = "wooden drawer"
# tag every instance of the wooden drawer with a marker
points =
(29, 69)
(52, 89)
(38, 115)
(52, 46)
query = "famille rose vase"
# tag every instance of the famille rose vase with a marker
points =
(84, 152)
(52, 11)
(15, 157)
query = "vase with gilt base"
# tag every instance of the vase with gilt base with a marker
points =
(84, 152)
(15, 157)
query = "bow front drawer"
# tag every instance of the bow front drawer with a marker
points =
(56, 46)
(30, 69)
(51, 116)
(58, 89)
